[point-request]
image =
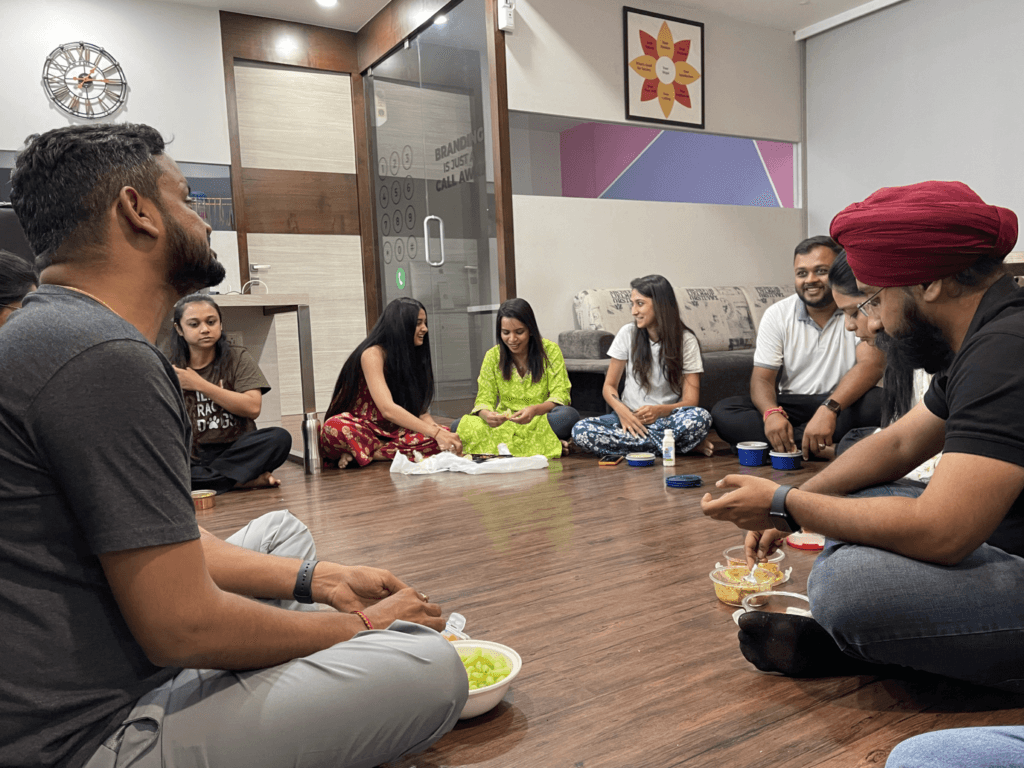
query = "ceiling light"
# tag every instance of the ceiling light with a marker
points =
(327, 3)
(442, 19)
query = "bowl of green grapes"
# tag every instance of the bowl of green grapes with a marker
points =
(491, 668)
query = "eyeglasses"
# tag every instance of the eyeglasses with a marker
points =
(866, 307)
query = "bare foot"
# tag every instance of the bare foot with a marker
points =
(565, 447)
(379, 456)
(706, 448)
(266, 480)
(344, 459)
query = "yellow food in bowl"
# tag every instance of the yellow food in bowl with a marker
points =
(731, 585)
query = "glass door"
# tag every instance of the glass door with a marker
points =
(431, 139)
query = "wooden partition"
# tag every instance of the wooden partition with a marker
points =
(282, 200)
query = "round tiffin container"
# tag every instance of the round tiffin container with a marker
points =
(737, 556)
(641, 459)
(778, 602)
(203, 499)
(786, 460)
(684, 481)
(485, 699)
(731, 586)
(752, 453)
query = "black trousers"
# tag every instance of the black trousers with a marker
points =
(222, 466)
(737, 419)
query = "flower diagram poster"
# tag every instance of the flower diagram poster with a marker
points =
(664, 68)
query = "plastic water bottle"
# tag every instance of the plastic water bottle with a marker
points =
(668, 449)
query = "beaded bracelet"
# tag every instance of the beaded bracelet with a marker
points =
(770, 411)
(362, 616)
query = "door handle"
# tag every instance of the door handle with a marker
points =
(426, 238)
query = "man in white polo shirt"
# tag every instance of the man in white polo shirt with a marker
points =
(812, 382)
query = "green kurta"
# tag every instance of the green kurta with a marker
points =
(497, 394)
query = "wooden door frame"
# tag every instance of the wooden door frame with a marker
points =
(256, 39)
(383, 34)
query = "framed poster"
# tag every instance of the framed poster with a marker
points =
(664, 66)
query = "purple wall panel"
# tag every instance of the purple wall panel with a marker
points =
(576, 146)
(682, 167)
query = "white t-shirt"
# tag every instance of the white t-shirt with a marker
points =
(660, 391)
(810, 360)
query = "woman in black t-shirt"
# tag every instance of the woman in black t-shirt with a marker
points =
(223, 389)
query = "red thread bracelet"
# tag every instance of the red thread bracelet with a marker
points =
(362, 616)
(770, 411)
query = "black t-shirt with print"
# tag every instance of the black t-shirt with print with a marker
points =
(214, 424)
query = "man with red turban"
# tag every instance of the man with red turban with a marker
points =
(921, 578)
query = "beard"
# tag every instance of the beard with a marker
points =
(193, 264)
(824, 301)
(918, 345)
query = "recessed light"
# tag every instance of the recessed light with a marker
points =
(327, 3)
(442, 19)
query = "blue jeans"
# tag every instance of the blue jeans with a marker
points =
(964, 621)
(1000, 746)
(605, 435)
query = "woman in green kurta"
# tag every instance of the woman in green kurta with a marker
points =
(523, 392)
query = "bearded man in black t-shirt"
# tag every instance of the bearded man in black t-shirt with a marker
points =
(927, 579)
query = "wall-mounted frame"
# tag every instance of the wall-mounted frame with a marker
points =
(664, 68)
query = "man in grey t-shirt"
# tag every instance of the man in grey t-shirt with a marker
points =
(122, 618)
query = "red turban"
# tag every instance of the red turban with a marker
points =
(921, 232)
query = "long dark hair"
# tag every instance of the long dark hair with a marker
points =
(536, 357)
(17, 277)
(407, 369)
(670, 333)
(898, 378)
(180, 353)
(181, 356)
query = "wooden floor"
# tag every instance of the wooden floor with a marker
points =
(598, 577)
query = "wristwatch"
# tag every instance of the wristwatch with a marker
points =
(781, 519)
(833, 406)
(303, 592)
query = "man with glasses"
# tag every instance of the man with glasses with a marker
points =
(812, 382)
(922, 578)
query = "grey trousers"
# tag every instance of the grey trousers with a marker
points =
(366, 701)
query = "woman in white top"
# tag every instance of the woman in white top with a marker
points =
(661, 360)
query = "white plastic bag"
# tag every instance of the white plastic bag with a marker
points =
(449, 462)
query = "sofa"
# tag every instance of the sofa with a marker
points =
(724, 319)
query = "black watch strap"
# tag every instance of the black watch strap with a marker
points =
(781, 519)
(304, 583)
(833, 406)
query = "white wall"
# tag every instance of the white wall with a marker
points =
(565, 58)
(574, 243)
(171, 56)
(921, 90)
(536, 161)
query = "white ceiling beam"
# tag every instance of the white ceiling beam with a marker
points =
(843, 18)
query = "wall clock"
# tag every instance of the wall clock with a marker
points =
(84, 80)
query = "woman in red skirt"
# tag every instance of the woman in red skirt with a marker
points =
(379, 406)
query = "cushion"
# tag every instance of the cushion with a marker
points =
(760, 297)
(585, 344)
(718, 316)
(602, 309)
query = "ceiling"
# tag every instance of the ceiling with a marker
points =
(788, 15)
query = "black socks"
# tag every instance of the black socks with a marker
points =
(796, 646)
